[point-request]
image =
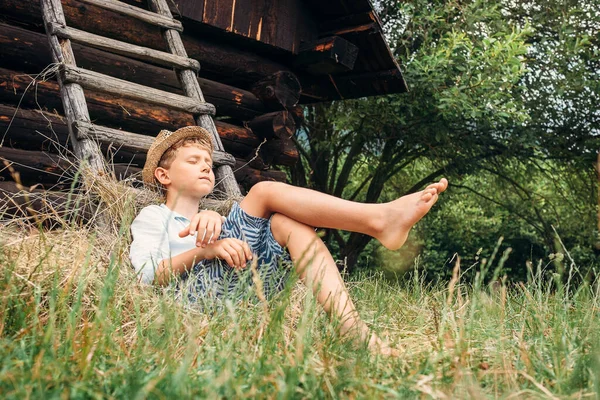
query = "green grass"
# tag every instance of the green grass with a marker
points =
(74, 324)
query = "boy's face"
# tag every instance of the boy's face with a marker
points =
(190, 172)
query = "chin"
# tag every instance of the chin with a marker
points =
(206, 190)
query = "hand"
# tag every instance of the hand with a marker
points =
(234, 251)
(207, 224)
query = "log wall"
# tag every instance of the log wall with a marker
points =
(31, 114)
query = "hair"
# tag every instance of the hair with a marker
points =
(169, 155)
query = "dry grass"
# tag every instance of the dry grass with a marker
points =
(75, 323)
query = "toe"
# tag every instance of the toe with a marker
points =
(443, 185)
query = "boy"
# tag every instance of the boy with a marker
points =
(174, 238)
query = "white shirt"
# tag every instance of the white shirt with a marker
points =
(155, 234)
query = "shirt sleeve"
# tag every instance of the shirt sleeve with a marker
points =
(150, 243)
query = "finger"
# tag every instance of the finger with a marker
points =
(247, 251)
(241, 255)
(210, 232)
(227, 258)
(201, 240)
(217, 232)
(234, 255)
(185, 232)
(194, 223)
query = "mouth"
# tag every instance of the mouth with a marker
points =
(204, 178)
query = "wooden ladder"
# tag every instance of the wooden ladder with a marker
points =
(84, 135)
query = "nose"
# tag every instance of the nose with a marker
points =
(205, 167)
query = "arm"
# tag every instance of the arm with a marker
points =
(233, 251)
(177, 265)
(151, 257)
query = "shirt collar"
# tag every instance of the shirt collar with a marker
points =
(174, 214)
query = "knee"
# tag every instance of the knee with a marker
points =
(283, 227)
(263, 189)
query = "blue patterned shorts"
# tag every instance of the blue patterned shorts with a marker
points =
(215, 279)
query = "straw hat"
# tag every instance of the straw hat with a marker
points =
(166, 139)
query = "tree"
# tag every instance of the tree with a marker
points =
(476, 73)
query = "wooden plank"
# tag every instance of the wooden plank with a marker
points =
(123, 48)
(137, 12)
(221, 61)
(219, 13)
(135, 142)
(193, 9)
(244, 12)
(107, 84)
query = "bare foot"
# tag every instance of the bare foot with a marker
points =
(359, 333)
(377, 346)
(403, 213)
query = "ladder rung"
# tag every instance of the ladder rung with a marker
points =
(134, 141)
(123, 48)
(136, 12)
(108, 84)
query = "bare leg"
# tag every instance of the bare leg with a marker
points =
(390, 222)
(317, 268)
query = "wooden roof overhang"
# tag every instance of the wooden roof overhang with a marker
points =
(284, 30)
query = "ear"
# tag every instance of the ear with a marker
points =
(162, 175)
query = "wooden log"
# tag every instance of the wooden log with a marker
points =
(137, 12)
(255, 161)
(328, 55)
(48, 168)
(38, 206)
(123, 48)
(118, 87)
(122, 113)
(277, 91)
(248, 177)
(35, 130)
(279, 124)
(285, 149)
(27, 51)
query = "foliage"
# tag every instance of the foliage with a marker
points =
(500, 93)
(486, 208)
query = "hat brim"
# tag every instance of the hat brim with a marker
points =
(156, 152)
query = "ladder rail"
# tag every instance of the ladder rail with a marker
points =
(72, 95)
(191, 87)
